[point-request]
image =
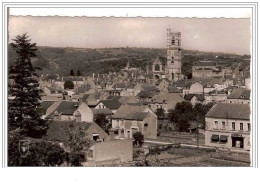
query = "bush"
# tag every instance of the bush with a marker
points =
(68, 84)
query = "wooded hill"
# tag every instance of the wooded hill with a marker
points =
(61, 60)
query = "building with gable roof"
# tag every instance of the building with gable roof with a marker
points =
(129, 119)
(239, 96)
(228, 126)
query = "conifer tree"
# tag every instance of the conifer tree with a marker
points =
(24, 91)
(71, 72)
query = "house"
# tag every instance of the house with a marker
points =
(240, 96)
(165, 101)
(111, 104)
(62, 110)
(129, 119)
(193, 88)
(228, 126)
(206, 69)
(216, 96)
(42, 109)
(195, 98)
(58, 131)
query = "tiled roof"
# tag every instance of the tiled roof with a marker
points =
(240, 94)
(200, 97)
(104, 111)
(169, 98)
(46, 104)
(57, 130)
(112, 104)
(124, 111)
(66, 108)
(173, 89)
(230, 111)
(137, 116)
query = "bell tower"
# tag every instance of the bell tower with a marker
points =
(173, 67)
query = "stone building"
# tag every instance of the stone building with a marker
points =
(173, 67)
(228, 126)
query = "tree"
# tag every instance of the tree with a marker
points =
(183, 124)
(41, 153)
(182, 108)
(160, 113)
(200, 110)
(138, 138)
(79, 73)
(78, 144)
(71, 72)
(68, 84)
(24, 87)
(102, 121)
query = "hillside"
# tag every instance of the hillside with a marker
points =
(61, 60)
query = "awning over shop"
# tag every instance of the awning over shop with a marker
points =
(215, 137)
(223, 138)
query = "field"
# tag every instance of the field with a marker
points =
(193, 157)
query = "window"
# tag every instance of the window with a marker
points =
(223, 125)
(241, 126)
(173, 40)
(157, 68)
(233, 126)
(215, 124)
(172, 61)
(248, 127)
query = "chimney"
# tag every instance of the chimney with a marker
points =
(56, 116)
(77, 116)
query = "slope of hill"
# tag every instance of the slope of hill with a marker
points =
(61, 60)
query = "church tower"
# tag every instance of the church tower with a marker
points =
(173, 67)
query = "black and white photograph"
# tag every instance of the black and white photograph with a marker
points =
(149, 86)
(128, 91)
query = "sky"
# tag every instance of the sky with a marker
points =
(214, 35)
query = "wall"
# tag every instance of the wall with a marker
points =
(217, 130)
(196, 88)
(94, 128)
(86, 113)
(111, 150)
(150, 131)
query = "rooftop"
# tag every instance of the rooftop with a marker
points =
(230, 111)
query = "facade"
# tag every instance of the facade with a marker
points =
(239, 96)
(110, 152)
(228, 126)
(130, 119)
(173, 67)
(166, 101)
(206, 69)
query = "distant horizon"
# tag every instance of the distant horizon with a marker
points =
(210, 35)
(142, 48)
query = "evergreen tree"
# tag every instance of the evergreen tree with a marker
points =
(78, 73)
(24, 90)
(71, 72)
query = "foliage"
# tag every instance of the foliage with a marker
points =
(71, 72)
(181, 108)
(200, 110)
(102, 122)
(24, 87)
(68, 84)
(79, 73)
(183, 123)
(160, 113)
(138, 138)
(184, 113)
(41, 153)
(78, 144)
